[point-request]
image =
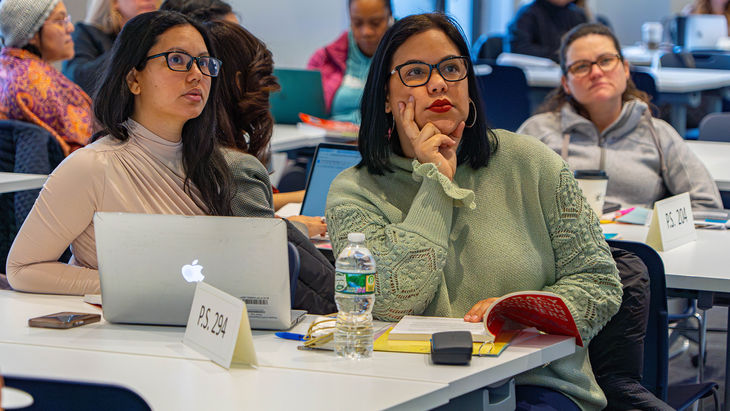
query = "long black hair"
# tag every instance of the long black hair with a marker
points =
(478, 142)
(114, 103)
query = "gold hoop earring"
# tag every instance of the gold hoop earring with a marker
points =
(474, 120)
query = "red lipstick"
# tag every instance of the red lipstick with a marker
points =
(440, 106)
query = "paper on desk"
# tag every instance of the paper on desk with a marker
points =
(491, 349)
(639, 215)
(289, 210)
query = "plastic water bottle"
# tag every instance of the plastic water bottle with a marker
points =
(354, 295)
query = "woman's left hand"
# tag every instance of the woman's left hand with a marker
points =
(476, 314)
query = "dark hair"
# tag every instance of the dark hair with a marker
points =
(203, 10)
(558, 97)
(386, 4)
(478, 142)
(114, 103)
(246, 79)
(34, 49)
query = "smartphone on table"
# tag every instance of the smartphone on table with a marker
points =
(64, 319)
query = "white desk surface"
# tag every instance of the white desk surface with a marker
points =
(165, 343)
(669, 80)
(702, 265)
(175, 384)
(10, 182)
(716, 157)
(289, 137)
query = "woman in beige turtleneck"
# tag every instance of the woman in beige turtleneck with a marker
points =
(156, 155)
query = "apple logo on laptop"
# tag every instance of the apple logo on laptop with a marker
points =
(193, 272)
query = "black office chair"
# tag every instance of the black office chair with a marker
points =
(504, 92)
(488, 47)
(656, 342)
(645, 82)
(24, 148)
(76, 396)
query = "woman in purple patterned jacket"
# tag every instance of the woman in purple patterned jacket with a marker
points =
(35, 33)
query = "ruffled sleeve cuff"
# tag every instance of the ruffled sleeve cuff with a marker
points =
(461, 197)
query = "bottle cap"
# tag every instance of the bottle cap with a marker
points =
(356, 237)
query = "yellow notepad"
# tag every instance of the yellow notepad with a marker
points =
(383, 343)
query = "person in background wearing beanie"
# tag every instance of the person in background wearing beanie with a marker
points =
(35, 33)
(93, 38)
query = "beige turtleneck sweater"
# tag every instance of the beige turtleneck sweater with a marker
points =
(141, 175)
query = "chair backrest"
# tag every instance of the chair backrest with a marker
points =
(656, 341)
(707, 60)
(70, 395)
(24, 148)
(645, 82)
(681, 60)
(504, 92)
(489, 47)
(715, 127)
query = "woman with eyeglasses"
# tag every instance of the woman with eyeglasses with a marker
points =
(599, 120)
(35, 34)
(156, 154)
(457, 215)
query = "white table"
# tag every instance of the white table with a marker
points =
(668, 80)
(175, 384)
(716, 157)
(432, 385)
(10, 182)
(679, 86)
(288, 137)
(701, 268)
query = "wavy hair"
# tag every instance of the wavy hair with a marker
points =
(203, 161)
(478, 142)
(558, 97)
(246, 80)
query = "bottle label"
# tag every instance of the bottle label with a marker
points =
(354, 283)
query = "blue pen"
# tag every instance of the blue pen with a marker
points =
(290, 336)
(710, 220)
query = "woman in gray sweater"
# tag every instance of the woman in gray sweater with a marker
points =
(598, 119)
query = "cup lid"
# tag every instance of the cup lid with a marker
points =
(590, 174)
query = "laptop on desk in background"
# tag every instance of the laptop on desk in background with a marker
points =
(149, 266)
(301, 92)
(329, 160)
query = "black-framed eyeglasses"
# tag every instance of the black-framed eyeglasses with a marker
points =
(418, 73)
(606, 62)
(181, 61)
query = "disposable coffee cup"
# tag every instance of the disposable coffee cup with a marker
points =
(651, 34)
(593, 183)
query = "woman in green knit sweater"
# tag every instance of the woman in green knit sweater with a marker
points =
(457, 215)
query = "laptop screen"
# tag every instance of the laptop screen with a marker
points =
(329, 160)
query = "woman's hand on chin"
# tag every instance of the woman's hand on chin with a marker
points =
(429, 144)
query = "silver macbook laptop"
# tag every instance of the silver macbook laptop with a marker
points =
(702, 31)
(149, 265)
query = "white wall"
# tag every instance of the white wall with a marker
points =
(293, 29)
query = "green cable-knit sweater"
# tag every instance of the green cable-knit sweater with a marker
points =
(521, 223)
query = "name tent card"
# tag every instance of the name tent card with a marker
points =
(672, 223)
(218, 327)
